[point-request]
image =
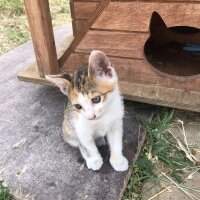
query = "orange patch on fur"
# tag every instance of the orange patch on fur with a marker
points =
(104, 87)
(73, 95)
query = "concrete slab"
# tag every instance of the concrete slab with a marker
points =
(33, 155)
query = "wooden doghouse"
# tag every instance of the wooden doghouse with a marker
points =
(120, 29)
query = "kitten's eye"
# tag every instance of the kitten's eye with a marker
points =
(96, 99)
(77, 106)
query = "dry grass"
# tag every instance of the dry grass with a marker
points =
(13, 21)
(167, 156)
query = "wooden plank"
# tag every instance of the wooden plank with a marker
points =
(127, 44)
(135, 16)
(77, 25)
(138, 92)
(122, 44)
(83, 10)
(138, 0)
(85, 0)
(42, 35)
(171, 1)
(74, 27)
(161, 1)
(74, 61)
(101, 6)
(157, 95)
(31, 74)
(137, 71)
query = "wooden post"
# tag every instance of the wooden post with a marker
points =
(39, 18)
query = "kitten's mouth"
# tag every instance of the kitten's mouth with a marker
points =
(94, 118)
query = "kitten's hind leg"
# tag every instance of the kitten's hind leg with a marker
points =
(69, 136)
(100, 141)
(72, 141)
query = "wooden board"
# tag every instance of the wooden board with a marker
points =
(80, 13)
(101, 6)
(171, 1)
(123, 20)
(135, 16)
(83, 10)
(42, 35)
(162, 96)
(136, 71)
(85, 1)
(113, 43)
(138, 92)
(31, 74)
(77, 25)
(160, 1)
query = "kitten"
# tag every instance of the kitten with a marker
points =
(95, 109)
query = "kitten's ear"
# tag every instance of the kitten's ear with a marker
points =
(60, 81)
(156, 22)
(100, 66)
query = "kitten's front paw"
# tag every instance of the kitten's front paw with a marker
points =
(119, 164)
(94, 163)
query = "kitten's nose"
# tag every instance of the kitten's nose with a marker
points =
(92, 117)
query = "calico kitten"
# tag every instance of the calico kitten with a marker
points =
(95, 109)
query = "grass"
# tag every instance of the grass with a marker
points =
(4, 191)
(14, 25)
(11, 8)
(159, 154)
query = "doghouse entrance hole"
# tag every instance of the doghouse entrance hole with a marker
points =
(175, 52)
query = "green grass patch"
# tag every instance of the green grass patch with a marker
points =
(14, 25)
(159, 154)
(143, 170)
(4, 191)
(11, 8)
(13, 35)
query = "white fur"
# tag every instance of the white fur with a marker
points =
(108, 122)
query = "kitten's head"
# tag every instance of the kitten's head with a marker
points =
(92, 87)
